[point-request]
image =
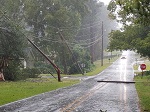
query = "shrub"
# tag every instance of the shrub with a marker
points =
(31, 72)
(13, 72)
(147, 73)
(44, 67)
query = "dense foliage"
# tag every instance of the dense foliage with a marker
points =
(50, 19)
(46, 22)
(43, 18)
(135, 11)
(12, 45)
(134, 37)
(135, 16)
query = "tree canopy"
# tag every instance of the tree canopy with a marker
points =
(12, 47)
(133, 37)
(44, 22)
(135, 16)
(135, 11)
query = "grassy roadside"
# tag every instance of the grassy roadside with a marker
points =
(98, 68)
(143, 88)
(12, 91)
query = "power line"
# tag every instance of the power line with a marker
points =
(63, 39)
(74, 43)
(83, 27)
(55, 67)
(91, 44)
(79, 42)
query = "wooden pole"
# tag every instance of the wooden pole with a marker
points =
(56, 68)
(63, 39)
(102, 47)
(142, 74)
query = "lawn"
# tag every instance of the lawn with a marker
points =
(98, 68)
(143, 90)
(12, 91)
(147, 65)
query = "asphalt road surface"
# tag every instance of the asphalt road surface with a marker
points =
(112, 90)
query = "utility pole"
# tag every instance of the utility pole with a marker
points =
(91, 40)
(56, 68)
(74, 58)
(102, 47)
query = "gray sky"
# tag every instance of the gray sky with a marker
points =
(106, 2)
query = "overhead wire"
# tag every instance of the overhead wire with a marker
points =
(91, 44)
(65, 28)
(77, 36)
(83, 27)
(25, 36)
(78, 42)
(84, 40)
(82, 43)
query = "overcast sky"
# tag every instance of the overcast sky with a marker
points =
(106, 2)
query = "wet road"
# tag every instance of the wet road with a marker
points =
(89, 95)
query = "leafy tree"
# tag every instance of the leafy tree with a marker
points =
(134, 37)
(135, 11)
(53, 14)
(82, 57)
(13, 9)
(116, 40)
(135, 15)
(43, 19)
(143, 47)
(47, 18)
(90, 29)
(12, 44)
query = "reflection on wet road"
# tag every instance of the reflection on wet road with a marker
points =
(89, 95)
(123, 75)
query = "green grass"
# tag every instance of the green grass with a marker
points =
(143, 90)
(12, 91)
(99, 68)
(147, 65)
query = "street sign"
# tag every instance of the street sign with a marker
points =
(143, 66)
